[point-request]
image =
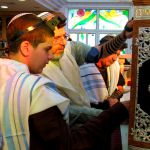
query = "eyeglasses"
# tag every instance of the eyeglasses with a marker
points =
(67, 37)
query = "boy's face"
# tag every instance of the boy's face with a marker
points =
(109, 60)
(59, 43)
(40, 56)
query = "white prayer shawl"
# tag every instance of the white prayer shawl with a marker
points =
(67, 79)
(94, 83)
(113, 73)
(21, 94)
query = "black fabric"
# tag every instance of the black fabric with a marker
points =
(144, 87)
(121, 80)
(48, 130)
(93, 55)
(101, 105)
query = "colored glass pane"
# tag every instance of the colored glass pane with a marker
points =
(82, 38)
(82, 19)
(113, 19)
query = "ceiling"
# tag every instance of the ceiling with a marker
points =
(16, 5)
(32, 5)
(45, 5)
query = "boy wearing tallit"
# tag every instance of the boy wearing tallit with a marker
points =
(103, 80)
(104, 83)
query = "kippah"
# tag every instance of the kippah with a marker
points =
(46, 16)
(17, 16)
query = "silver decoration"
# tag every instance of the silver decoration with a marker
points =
(143, 43)
(141, 131)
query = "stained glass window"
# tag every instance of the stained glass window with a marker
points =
(82, 38)
(82, 19)
(113, 19)
(89, 25)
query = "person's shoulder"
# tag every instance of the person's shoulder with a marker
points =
(32, 80)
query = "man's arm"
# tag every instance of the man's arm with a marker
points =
(111, 46)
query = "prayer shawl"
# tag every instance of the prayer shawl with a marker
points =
(21, 94)
(67, 78)
(113, 73)
(94, 83)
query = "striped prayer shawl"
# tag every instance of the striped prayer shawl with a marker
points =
(18, 103)
(93, 82)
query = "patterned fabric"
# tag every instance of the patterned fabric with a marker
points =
(21, 95)
(94, 83)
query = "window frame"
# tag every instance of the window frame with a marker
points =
(98, 31)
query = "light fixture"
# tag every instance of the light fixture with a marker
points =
(4, 7)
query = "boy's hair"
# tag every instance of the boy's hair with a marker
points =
(17, 31)
(110, 37)
(106, 39)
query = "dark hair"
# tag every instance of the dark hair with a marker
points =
(106, 39)
(16, 31)
(110, 37)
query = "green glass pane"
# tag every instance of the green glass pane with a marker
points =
(82, 19)
(113, 19)
(82, 38)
